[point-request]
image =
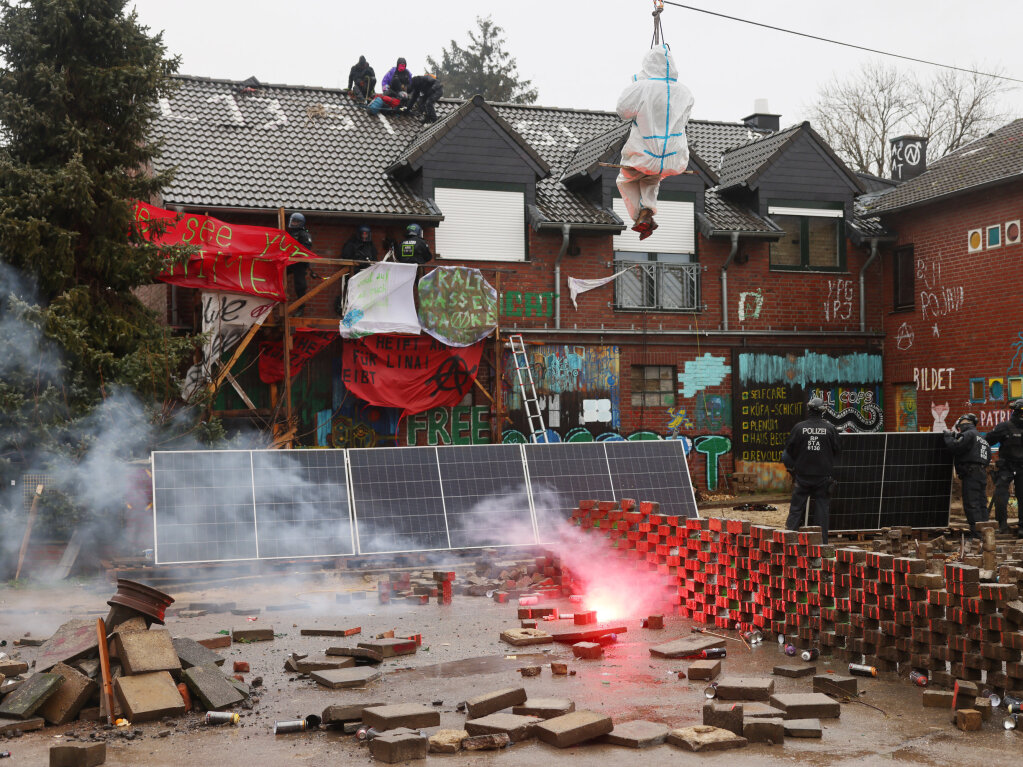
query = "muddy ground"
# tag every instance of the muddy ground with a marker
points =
(462, 656)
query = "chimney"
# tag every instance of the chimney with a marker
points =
(908, 157)
(762, 117)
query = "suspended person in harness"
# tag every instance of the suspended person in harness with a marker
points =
(810, 455)
(413, 249)
(972, 455)
(1008, 435)
(658, 106)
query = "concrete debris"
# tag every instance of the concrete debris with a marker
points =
(745, 688)
(447, 741)
(149, 697)
(70, 697)
(191, 653)
(705, 738)
(637, 734)
(724, 716)
(399, 747)
(545, 708)
(253, 635)
(78, 755)
(142, 652)
(490, 742)
(524, 637)
(516, 727)
(390, 717)
(767, 730)
(492, 702)
(30, 696)
(573, 729)
(705, 670)
(215, 690)
(809, 705)
(803, 728)
(336, 679)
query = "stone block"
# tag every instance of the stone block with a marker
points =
(572, 729)
(723, 716)
(211, 687)
(705, 738)
(391, 647)
(803, 728)
(587, 633)
(215, 642)
(149, 697)
(64, 705)
(191, 653)
(964, 694)
(397, 715)
(794, 672)
(704, 669)
(447, 741)
(983, 705)
(341, 678)
(9, 668)
(762, 711)
(968, 719)
(322, 662)
(588, 650)
(832, 684)
(78, 754)
(688, 647)
(764, 730)
(399, 747)
(143, 652)
(10, 726)
(745, 688)
(362, 655)
(490, 742)
(30, 696)
(346, 713)
(265, 634)
(937, 699)
(492, 702)
(654, 622)
(73, 640)
(524, 637)
(331, 632)
(807, 705)
(88, 666)
(545, 708)
(638, 733)
(515, 726)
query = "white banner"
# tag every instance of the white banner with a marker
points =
(577, 286)
(381, 300)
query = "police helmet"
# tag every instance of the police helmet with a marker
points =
(414, 230)
(967, 417)
(816, 406)
(363, 230)
(297, 219)
(1016, 411)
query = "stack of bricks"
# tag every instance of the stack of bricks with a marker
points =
(896, 613)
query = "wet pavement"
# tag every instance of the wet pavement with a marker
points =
(461, 657)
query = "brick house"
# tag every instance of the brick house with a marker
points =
(749, 298)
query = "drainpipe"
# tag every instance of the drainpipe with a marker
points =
(565, 231)
(863, 271)
(724, 280)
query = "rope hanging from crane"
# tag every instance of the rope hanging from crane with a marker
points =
(658, 31)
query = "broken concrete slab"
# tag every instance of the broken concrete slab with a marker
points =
(78, 754)
(545, 708)
(745, 688)
(73, 640)
(572, 729)
(391, 647)
(149, 697)
(586, 633)
(764, 730)
(492, 702)
(191, 653)
(515, 726)
(70, 697)
(361, 654)
(638, 733)
(30, 696)
(88, 666)
(211, 687)
(490, 742)
(347, 713)
(807, 705)
(331, 632)
(762, 711)
(447, 741)
(690, 646)
(143, 652)
(832, 684)
(253, 635)
(803, 728)
(794, 672)
(215, 643)
(704, 669)
(390, 717)
(245, 611)
(524, 637)
(341, 678)
(11, 726)
(321, 662)
(9, 668)
(723, 716)
(705, 738)
(399, 747)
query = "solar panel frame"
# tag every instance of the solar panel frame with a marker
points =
(658, 460)
(558, 474)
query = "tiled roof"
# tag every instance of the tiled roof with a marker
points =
(721, 215)
(596, 150)
(710, 140)
(740, 163)
(992, 159)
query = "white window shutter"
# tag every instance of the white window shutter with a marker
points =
(676, 229)
(481, 225)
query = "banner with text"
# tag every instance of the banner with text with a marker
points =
(306, 345)
(457, 305)
(231, 258)
(380, 300)
(414, 373)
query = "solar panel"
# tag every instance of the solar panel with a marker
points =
(485, 496)
(561, 475)
(653, 470)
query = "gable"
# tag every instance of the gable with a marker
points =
(802, 170)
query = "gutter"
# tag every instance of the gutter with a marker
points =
(724, 280)
(715, 333)
(198, 208)
(566, 230)
(863, 271)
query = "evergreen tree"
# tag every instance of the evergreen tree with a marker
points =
(482, 67)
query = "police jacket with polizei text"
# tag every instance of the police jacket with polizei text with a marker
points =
(968, 447)
(812, 448)
(1009, 437)
(413, 250)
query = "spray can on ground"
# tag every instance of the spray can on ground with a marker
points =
(918, 678)
(712, 652)
(859, 669)
(366, 733)
(790, 649)
(1014, 708)
(812, 654)
(753, 637)
(292, 725)
(1010, 701)
(5, 754)
(221, 717)
(1009, 723)
(711, 690)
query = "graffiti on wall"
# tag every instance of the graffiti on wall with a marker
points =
(937, 297)
(712, 412)
(1016, 364)
(518, 304)
(904, 337)
(851, 408)
(702, 373)
(933, 379)
(809, 367)
(458, 425)
(713, 446)
(678, 421)
(939, 413)
(905, 407)
(839, 304)
(750, 305)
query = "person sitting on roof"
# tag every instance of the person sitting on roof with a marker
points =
(413, 249)
(360, 247)
(424, 94)
(658, 106)
(397, 81)
(362, 80)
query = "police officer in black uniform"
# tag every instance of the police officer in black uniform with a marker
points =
(810, 455)
(1008, 435)
(300, 272)
(413, 249)
(972, 455)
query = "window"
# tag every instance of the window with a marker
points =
(814, 238)
(676, 227)
(481, 223)
(904, 271)
(653, 386)
(666, 282)
(977, 390)
(1015, 385)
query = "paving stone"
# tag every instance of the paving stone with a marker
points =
(9, 668)
(983, 705)
(400, 747)
(447, 741)
(964, 694)
(586, 633)
(490, 742)
(253, 635)
(73, 640)
(794, 672)
(588, 650)
(681, 648)
(807, 705)
(390, 647)
(149, 697)
(215, 642)
(346, 713)
(70, 697)
(559, 669)
(88, 666)
(638, 733)
(211, 687)
(937, 699)
(78, 754)
(340, 678)
(390, 717)
(803, 728)
(30, 696)
(968, 719)
(545, 708)
(745, 688)
(515, 726)
(572, 729)
(762, 711)
(191, 653)
(245, 611)
(321, 662)
(143, 652)
(361, 654)
(524, 637)
(21, 725)
(723, 716)
(763, 730)
(492, 702)
(704, 669)
(832, 684)
(331, 632)
(705, 738)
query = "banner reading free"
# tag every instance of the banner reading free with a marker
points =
(414, 373)
(231, 258)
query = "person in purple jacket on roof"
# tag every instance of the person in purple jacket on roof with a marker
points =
(397, 79)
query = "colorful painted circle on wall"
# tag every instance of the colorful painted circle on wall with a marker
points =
(975, 240)
(1012, 232)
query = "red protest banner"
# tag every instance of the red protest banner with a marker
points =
(304, 346)
(414, 373)
(231, 257)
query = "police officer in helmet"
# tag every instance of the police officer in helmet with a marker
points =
(1008, 435)
(972, 455)
(810, 456)
(413, 249)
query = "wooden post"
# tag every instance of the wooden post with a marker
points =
(28, 530)
(497, 427)
(104, 668)
(287, 368)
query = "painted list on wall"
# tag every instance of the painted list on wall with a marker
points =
(766, 416)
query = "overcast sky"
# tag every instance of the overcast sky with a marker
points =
(581, 54)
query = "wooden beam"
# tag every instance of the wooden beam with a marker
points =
(316, 323)
(498, 423)
(257, 411)
(336, 277)
(226, 368)
(28, 530)
(287, 368)
(241, 392)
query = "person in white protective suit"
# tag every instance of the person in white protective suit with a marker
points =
(658, 106)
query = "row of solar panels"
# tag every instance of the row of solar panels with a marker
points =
(220, 505)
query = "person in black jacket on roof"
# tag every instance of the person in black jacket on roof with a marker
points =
(425, 93)
(1008, 435)
(360, 247)
(413, 249)
(362, 80)
(972, 455)
(810, 455)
